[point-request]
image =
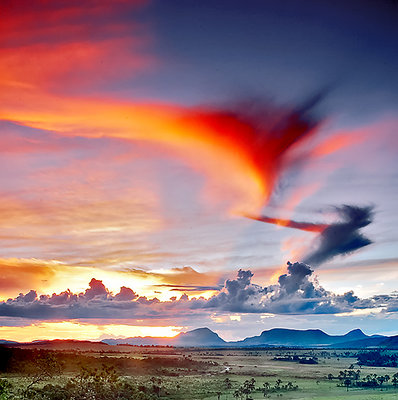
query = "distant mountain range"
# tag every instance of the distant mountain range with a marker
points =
(278, 337)
(307, 338)
(204, 337)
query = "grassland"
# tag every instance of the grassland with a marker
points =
(211, 374)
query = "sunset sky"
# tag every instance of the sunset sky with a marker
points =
(163, 161)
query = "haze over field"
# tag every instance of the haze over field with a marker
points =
(173, 165)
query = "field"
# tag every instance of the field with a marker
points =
(123, 372)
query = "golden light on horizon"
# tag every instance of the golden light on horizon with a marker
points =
(82, 331)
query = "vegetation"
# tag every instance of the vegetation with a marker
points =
(203, 374)
(350, 378)
(378, 359)
(103, 384)
(295, 358)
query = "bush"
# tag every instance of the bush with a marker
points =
(92, 384)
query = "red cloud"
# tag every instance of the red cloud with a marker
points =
(66, 45)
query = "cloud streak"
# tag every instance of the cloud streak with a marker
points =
(303, 226)
(338, 238)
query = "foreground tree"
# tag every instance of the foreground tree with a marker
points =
(5, 388)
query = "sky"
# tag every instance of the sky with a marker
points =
(170, 165)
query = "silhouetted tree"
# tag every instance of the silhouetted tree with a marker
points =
(227, 383)
(5, 387)
(347, 383)
(42, 367)
(395, 379)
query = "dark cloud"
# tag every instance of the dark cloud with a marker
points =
(27, 298)
(339, 238)
(342, 237)
(297, 292)
(297, 274)
(238, 295)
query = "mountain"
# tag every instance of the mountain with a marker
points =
(390, 343)
(5, 342)
(204, 337)
(370, 342)
(201, 337)
(299, 338)
(140, 341)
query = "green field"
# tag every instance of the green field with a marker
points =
(167, 373)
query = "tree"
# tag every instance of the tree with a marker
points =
(227, 383)
(5, 387)
(266, 388)
(395, 379)
(347, 383)
(342, 375)
(289, 386)
(238, 393)
(156, 385)
(248, 387)
(381, 380)
(44, 366)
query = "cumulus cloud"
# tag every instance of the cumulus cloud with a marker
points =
(96, 289)
(296, 292)
(126, 294)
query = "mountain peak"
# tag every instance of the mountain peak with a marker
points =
(355, 334)
(204, 330)
(200, 335)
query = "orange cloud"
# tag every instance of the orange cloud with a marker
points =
(237, 156)
(70, 65)
(241, 152)
(304, 226)
(176, 281)
(79, 211)
(188, 276)
(54, 49)
(49, 276)
(21, 275)
(337, 142)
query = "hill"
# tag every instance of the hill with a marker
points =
(370, 342)
(58, 344)
(390, 343)
(299, 338)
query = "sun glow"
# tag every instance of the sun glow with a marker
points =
(82, 331)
